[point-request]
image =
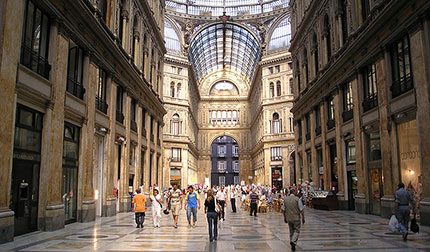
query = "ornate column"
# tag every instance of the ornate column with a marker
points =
(124, 197)
(9, 54)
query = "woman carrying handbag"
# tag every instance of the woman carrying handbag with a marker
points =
(212, 209)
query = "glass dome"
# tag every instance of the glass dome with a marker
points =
(217, 8)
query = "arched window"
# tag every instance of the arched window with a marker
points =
(298, 78)
(343, 18)
(278, 88)
(173, 44)
(271, 89)
(281, 36)
(172, 89)
(102, 6)
(326, 34)
(121, 20)
(315, 51)
(306, 65)
(175, 125)
(276, 124)
(144, 46)
(135, 38)
(178, 90)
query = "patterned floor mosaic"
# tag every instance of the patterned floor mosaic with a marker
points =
(323, 231)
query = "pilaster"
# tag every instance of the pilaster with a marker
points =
(51, 208)
(9, 54)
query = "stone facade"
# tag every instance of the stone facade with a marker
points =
(361, 103)
(62, 118)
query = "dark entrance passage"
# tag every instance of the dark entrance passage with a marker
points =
(224, 161)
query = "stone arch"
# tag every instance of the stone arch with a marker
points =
(236, 137)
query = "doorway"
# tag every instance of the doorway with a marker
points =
(98, 179)
(277, 177)
(375, 191)
(352, 188)
(24, 195)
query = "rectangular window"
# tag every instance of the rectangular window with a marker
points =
(119, 104)
(309, 161)
(35, 40)
(236, 166)
(133, 124)
(348, 104)
(374, 146)
(179, 70)
(176, 154)
(276, 153)
(401, 67)
(277, 69)
(330, 113)
(74, 70)
(350, 151)
(221, 166)
(222, 180)
(308, 127)
(299, 127)
(317, 120)
(236, 180)
(290, 124)
(173, 69)
(271, 70)
(221, 150)
(132, 158)
(235, 151)
(101, 91)
(369, 87)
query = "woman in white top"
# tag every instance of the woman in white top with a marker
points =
(156, 201)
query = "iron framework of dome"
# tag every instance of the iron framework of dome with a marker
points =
(229, 7)
(224, 46)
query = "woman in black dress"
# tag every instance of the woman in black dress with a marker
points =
(212, 215)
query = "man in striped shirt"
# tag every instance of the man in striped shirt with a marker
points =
(254, 201)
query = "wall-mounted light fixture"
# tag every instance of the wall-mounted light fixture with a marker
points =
(368, 127)
(411, 172)
(401, 115)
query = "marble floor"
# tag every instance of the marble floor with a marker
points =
(323, 231)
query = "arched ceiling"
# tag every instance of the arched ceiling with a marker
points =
(224, 46)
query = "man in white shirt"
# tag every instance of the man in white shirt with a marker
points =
(233, 199)
(221, 197)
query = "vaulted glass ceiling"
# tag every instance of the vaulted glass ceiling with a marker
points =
(224, 46)
(230, 7)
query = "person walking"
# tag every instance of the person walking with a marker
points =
(212, 215)
(156, 201)
(254, 201)
(221, 197)
(175, 201)
(139, 202)
(233, 196)
(293, 208)
(401, 205)
(192, 203)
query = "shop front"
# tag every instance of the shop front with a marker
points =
(25, 169)
(175, 176)
(409, 155)
(375, 172)
(277, 177)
